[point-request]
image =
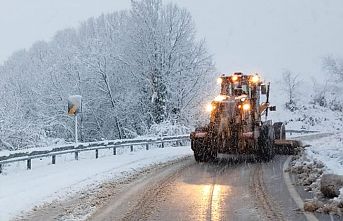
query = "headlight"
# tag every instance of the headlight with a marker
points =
(255, 79)
(209, 108)
(246, 107)
(219, 80)
(234, 78)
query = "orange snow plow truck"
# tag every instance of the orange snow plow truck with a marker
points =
(238, 122)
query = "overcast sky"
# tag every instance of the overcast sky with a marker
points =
(266, 36)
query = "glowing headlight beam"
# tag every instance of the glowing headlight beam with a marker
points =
(255, 79)
(209, 107)
(246, 107)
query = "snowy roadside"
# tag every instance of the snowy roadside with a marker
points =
(324, 155)
(24, 190)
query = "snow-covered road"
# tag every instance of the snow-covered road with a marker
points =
(24, 190)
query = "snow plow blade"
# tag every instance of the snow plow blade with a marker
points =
(287, 147)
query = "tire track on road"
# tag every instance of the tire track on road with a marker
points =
(269, 207)
(150, 198)
(212, 204)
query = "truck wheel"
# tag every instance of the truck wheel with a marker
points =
(198, 146)
(265, 144)
(204, 156)
(279, 131)
(210, 155)
(202, 151)
(198, 157)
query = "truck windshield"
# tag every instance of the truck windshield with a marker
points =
(238, 89)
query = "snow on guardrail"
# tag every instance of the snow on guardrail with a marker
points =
(81, 147)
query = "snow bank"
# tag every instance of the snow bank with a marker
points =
(323, 156)
(328, 150)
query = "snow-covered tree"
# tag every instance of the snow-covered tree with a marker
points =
(334, 68)
(165, 56)
(134, 69)
(290, 85)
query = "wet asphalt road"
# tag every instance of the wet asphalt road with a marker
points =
(224, 190)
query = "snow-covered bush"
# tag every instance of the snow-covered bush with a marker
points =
(319, 96)
(168, 128)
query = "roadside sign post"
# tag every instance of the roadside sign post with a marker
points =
(76, 138)
(74, 108)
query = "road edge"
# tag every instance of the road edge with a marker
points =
(293, 192)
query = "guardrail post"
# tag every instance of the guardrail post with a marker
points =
(29, 164)
(114, 151)
(131, 148)
(96, 153)
(0, 168)
(53, 159)
(76, 155)
(147, 146)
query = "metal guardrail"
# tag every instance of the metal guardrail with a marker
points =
(82, 147)
(301, 131)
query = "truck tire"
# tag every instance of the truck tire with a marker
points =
(210, 155)
(266, 144)
(202, 151)
(279, 131)
(196, 146)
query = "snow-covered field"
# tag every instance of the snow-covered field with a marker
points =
(22, 190)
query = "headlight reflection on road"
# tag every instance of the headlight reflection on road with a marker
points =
(201, 201)
(204, 194)
(216, 204)
(213, 195)
(206, 190)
